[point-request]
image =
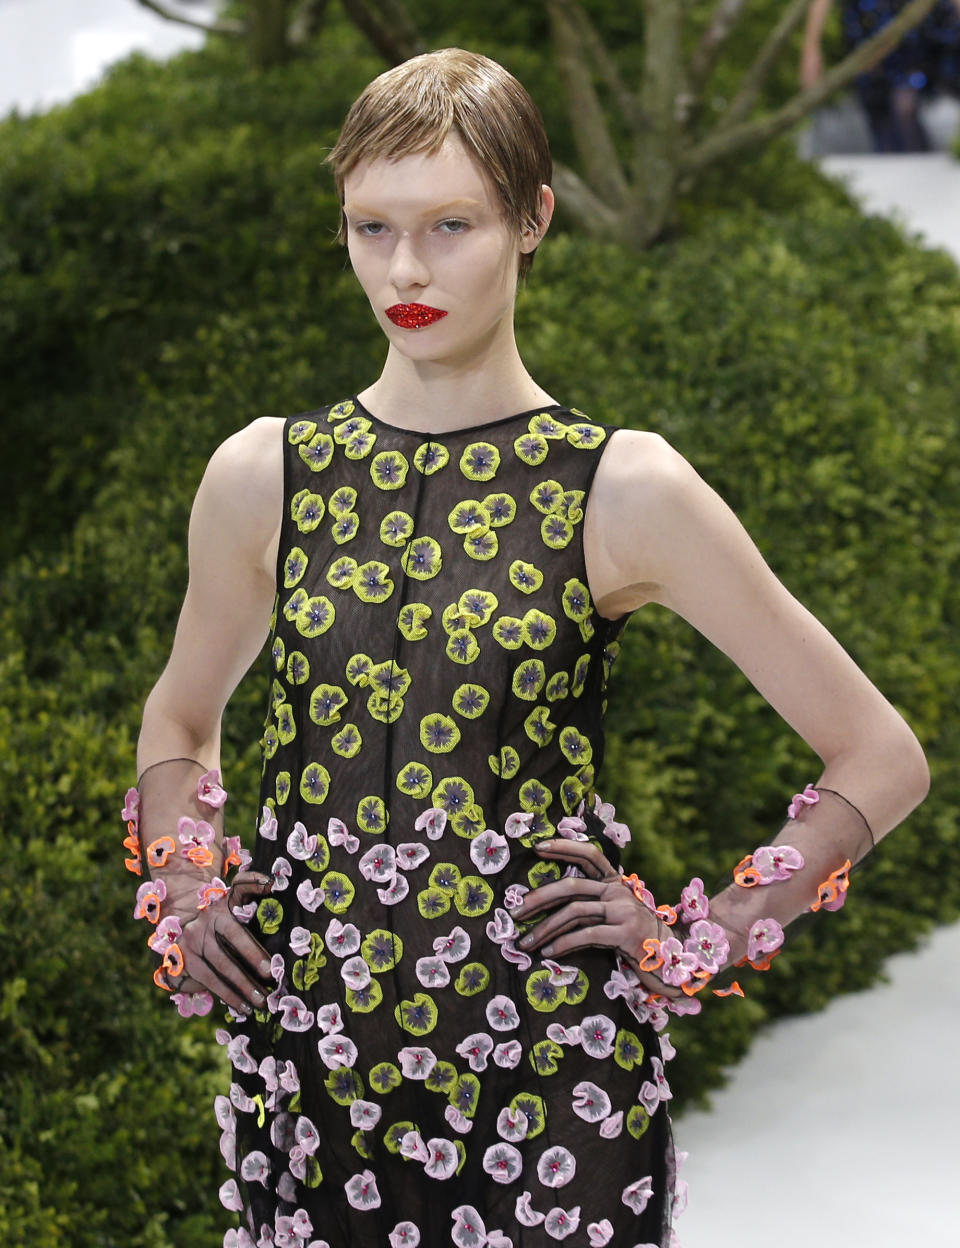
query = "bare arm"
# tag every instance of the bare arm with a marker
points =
(657, 532)
(811, 58)
(234, 531)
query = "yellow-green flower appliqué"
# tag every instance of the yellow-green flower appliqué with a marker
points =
(347, 742)
(326, 703)
(371, 582)
(293, 567)
(480, 461)
(439, 733)
(415, 779)
(396, 528)
(371, 815)
(341, 572)
(315, 784)
(316, 453)
(525, 576)
(412, 620)
(470, 701)
(306, 510)
(315, 616)
(430, 457)
(586, 436)
(422, 558)
(298, 668)
(531, 448)
(345, 527)
(301, 431)
(417, 1016)
(388, 470)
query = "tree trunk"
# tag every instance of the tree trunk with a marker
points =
(268, 32)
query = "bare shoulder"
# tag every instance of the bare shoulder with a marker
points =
(640, 461)
(240, 498)
(641, 486)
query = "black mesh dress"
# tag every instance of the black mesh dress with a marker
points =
(437, 708)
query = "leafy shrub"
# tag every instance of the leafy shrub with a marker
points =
(805, 360)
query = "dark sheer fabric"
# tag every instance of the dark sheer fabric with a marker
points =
(436, 709)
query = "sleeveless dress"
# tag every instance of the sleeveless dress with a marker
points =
(436, 709)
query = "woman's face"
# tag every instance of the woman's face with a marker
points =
(427, 231)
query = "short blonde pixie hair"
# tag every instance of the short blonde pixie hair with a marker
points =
(412, 107)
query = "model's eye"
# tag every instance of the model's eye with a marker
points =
(369, 229)
(457, 226)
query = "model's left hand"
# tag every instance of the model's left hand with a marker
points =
(597, 911)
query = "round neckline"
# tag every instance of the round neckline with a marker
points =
(434, 436)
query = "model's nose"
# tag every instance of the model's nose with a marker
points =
(407, 270)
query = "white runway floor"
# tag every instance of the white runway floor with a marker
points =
(839, 1129)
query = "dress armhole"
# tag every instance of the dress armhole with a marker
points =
(606, 628)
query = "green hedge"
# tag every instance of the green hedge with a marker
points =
(177, 280)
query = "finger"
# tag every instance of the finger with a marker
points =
(577, 914)
(583, 854)
(221, 957)
(242, 946)
(203, 978)
(595, 936)
(247, 886)
(209, 961)
(547, 895)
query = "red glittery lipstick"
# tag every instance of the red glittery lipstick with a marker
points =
(414, 315)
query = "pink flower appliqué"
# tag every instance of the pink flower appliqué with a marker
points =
(149, 896)
(337, 834)
(192, 1003)
(361, 1191)
(678, 965)
(295, 1015)
(525, 1214)
(502, 1162)
(468, 1228)
(693, 901)
(809, 797)
(636, 1196)
(708, 941)
(433, 822)
(556, 1167)
(559, 1223)
(404, 1235)
(268, 824)
(765, 936)
(210, 789)
(775, 862)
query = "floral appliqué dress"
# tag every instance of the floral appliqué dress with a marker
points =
(436, 709)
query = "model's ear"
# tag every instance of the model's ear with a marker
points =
(531, 236)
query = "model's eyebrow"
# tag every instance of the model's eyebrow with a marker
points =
(361, 210)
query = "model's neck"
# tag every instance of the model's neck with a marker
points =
(437, 396)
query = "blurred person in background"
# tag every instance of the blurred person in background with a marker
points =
(926, 62)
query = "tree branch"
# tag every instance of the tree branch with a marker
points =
(606, 66)
(723, 143)
(725, 17)
(396, 15)
(307, 22)
(395, 46)
(663, 102)
(590, 132)
(587, 210)
(753, 80)
(212, 28)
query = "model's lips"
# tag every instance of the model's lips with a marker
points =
(414, 315)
